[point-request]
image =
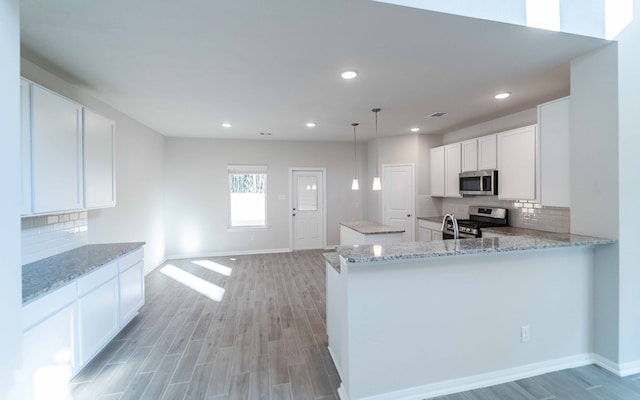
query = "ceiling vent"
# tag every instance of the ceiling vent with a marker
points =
(437, 115)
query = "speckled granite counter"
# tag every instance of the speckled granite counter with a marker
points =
(371, 228)
(333, 259)
(440, 248)
(513, 231)
(50, 273)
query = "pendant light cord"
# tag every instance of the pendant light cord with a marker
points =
(355, 153)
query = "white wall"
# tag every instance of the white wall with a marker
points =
(139, 213)
(629, 175)
(11, 282)
(388, 150)
(511, 121)
(594, 180)
(197, 191)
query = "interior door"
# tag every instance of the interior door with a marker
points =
(307, 209)
(398, 199)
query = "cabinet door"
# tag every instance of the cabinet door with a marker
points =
(553, 125)
(25, 139)
(56, 145)
(436, 235)
(452, 165)
(99, 161)
(470, 155)
(97, 319)
(49, 356)
(487, 152)
(424, 235)
(517, 164)
(131, 292)
(437, 171)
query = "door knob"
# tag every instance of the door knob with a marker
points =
(408, 215)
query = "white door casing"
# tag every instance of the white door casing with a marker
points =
(398, 198)
(308, 208)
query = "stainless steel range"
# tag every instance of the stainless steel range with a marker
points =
(479, 217)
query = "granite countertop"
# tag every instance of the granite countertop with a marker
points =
(371, 228)
(432, 219)
(440, 248)
(53, 272)
(333, 259)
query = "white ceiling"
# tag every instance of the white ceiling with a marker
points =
(183, 68)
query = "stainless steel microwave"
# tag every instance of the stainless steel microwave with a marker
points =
(479, 183)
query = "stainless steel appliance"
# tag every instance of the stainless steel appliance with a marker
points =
(479, 183)
(479, 217)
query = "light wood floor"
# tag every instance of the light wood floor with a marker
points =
(266, 339)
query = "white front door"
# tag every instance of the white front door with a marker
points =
(398, 199)
(307, 212)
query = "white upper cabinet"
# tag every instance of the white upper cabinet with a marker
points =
(470, 155)
(452, 166)
(25, 142)
(437, 171)
(99, 161)
(517, 164)
(553, 125)
(487, 152)
(56, 148)
(445, 170)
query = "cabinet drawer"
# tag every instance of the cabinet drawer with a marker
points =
(130, 259)
(434, 226)
(40, 309)
(97, 278)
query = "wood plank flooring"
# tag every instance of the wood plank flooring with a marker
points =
(266, 339)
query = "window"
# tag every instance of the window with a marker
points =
(247, 196)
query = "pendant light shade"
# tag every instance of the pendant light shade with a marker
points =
(377, 184)
(354, 183)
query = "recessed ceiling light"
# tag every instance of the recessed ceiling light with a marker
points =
(415, 129)
(349, 74)
(265, 133)
(502, 95)
(311, 124)
(226, 125)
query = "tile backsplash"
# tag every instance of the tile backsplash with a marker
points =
(522, 214)
(48, 235)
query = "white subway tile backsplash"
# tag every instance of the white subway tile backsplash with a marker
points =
(45, 236)
(522, 213)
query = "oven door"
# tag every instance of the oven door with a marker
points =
(446, 235)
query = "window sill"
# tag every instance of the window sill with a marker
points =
(247, 228)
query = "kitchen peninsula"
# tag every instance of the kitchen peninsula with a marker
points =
(410, 320)
(366, 232)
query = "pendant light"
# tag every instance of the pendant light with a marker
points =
(354, 183)
(377, 184)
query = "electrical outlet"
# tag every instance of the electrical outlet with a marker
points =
(525, 334)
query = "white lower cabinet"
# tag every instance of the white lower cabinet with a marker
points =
(65, 329)
(97, 311)
(429, 230)
(131, 292)
(49, 355)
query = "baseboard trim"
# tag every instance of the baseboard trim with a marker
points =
(629, 368)
(479, 381)
(337, 365)
(227, 253)
(622, 370)
(147, 271)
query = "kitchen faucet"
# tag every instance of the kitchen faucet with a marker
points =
(454, 222)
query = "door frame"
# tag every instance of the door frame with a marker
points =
(324, 202)
(413, 200)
